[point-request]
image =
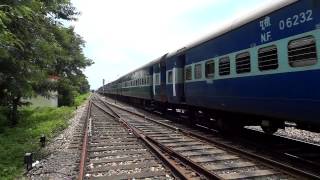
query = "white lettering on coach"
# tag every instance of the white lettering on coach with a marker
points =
(265, 24)
(265, 37)
(296, 20)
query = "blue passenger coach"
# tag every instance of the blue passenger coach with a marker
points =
(266, 66)
(263, 69)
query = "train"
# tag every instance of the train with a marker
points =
(259, 70)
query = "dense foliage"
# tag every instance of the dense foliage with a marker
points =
(34, 45)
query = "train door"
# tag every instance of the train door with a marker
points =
(163, 77)
(178, 77)
(156, 80)
(150, 81)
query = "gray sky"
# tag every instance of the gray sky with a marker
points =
(122, 35)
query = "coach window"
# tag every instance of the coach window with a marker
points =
(243, 63)
(169, 76)
(197, 71)
(302, 52)
(209, 69)
(188, 73)
(268, 58)
(224, 66)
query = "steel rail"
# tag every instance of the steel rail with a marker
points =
(289, 169)
(83, 156)
(150, 141)
(169, 162)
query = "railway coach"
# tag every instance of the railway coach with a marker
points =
(263, 69)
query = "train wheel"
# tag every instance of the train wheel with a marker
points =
(269, 127)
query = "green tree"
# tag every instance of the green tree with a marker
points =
(69, 66)
(32, 47)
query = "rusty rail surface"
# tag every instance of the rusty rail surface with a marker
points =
(83, 156)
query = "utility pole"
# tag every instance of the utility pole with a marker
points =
(103, 86)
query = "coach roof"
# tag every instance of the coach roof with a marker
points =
(237, 23)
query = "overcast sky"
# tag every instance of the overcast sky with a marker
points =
(122, 35)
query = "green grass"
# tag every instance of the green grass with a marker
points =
(81, 98)
(15, 142)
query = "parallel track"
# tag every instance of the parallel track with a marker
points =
(294, 155)
(213, 159)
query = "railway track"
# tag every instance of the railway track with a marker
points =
(111, 151)
(292, 154)
(298, 153)
(210, 159)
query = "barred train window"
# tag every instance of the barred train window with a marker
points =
(170, 77)
(302, 52)
(157, 79)
(197, 71)
(209, 69)
(188, 73)
(224, 66)
(268, 58)
(243, 63)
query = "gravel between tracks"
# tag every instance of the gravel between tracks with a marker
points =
(294, 133)
(290, 132)
(61, 162)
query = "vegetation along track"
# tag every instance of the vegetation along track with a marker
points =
(210, 157)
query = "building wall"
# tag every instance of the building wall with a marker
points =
(41, 101)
